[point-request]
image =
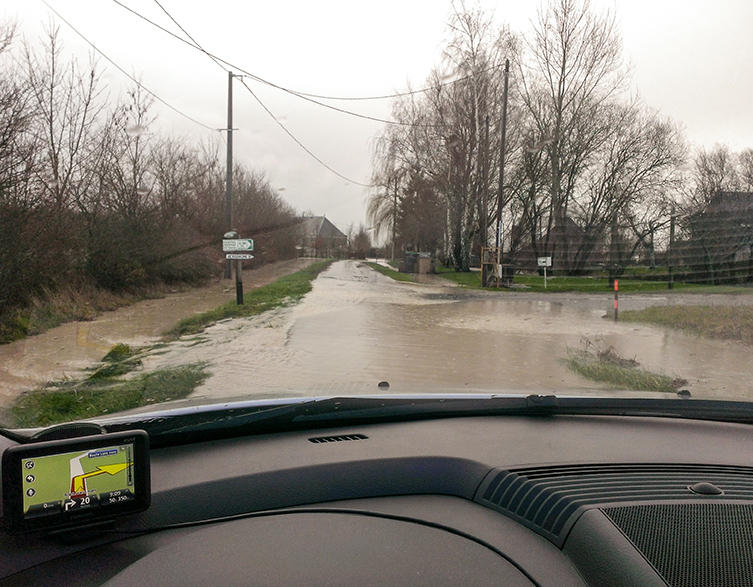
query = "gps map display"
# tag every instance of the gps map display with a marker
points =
(71, 482)
(78, 480)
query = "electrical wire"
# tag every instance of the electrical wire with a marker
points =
(299, 143)
(124, 72)
(284, 128)
(301, 95)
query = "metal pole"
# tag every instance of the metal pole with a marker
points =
(229, 165)
(239, 282)
(616, 287)
(502, 163)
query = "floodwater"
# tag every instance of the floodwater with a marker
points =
(358, 328)
(66, 350)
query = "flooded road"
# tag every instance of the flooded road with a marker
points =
(64, 351)
(358, 327)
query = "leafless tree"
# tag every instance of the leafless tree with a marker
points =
(572, 69)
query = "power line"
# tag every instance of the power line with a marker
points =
(303, 95)
(124, 72)
(299, 143)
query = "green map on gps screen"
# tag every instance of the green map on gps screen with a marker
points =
(77, 480)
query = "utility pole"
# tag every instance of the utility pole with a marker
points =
(670, 260)
(485, 192)
(500, 198)
(229, 166)
(394, 219)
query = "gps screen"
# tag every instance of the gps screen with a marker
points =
(75, 481)
(78, 480)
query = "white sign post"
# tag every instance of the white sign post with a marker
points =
(230, 245)
(234, 249)
(545, 262)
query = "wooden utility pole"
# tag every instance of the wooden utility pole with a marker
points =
(670, 260)
(500, 198)
(394, 219)
(229, 166)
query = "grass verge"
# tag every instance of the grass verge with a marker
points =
(720, 322)
(618, 372)
(103, 392)
(284, 291)
(396, 275)
(69, 303)
(535, 283)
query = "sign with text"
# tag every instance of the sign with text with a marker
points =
(545, 261)
(238, 257)
(237, 244)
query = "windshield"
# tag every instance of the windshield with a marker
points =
(202, 204)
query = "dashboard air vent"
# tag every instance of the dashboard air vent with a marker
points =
(344, 437)
(549, 500)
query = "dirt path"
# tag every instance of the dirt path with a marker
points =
(67, 349)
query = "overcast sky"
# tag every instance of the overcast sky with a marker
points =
(692, 61)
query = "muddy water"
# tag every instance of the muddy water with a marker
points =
(64, 351)
(357, 328)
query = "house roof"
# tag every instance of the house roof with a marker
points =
(320, 226)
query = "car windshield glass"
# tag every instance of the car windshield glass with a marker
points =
(202, 204)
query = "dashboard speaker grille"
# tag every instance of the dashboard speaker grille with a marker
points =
(692, 545)
(549, 500)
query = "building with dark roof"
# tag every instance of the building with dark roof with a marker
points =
(320, 238)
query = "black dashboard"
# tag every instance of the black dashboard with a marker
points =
(509, 500)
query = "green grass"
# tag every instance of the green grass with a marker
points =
(535, 283)
(620, 376)
(68, 401)
(286, 290)
(396, 275)
(104, 391)
(720, 322)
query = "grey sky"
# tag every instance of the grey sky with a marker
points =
(691, 60)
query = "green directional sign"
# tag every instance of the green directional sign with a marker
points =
(230, 245)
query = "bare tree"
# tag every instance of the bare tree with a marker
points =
(572, 70)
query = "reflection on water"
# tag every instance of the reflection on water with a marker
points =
(357, 328)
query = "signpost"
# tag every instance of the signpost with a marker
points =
(544, 262)
(230, 245)
(237, 244)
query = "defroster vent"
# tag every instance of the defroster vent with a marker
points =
(549, 500)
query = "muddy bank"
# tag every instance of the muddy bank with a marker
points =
(63, 351)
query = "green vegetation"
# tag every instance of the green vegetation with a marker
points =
(586, 284)
(721, 322)
(103, 392)
(396, 275)
(620, 373)
(286, 290)
(66, 304)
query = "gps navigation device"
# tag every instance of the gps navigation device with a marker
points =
(75, 482)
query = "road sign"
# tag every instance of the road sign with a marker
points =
(545, 261)
(237, 244)
(238, 256)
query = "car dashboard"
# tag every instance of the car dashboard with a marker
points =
(490, 500)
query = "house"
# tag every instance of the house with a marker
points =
(320, 238)
(721, 238)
